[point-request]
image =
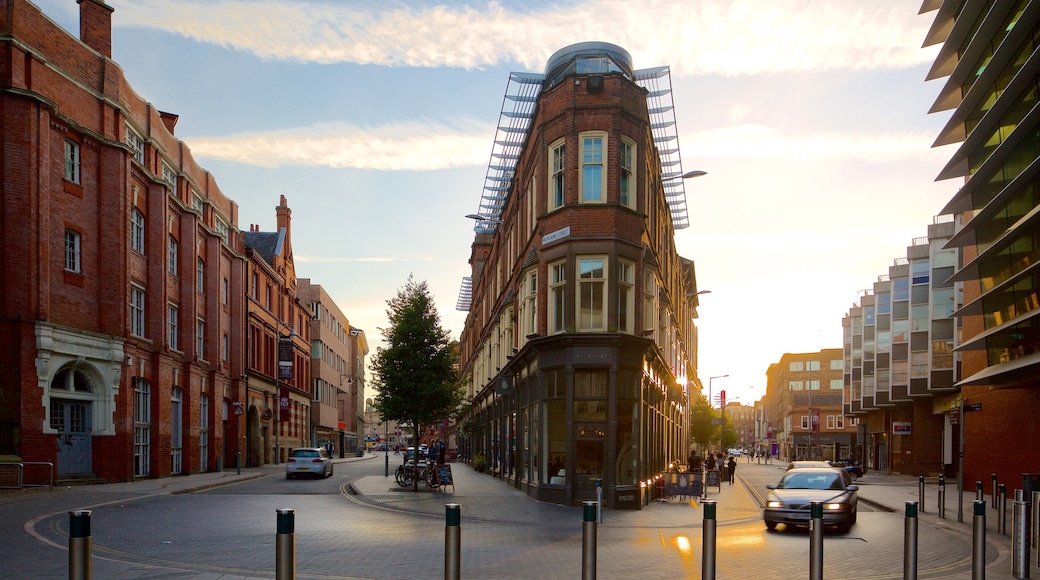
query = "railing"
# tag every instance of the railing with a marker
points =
(20, 465)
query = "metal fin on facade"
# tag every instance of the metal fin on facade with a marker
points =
(465, 295)
(658, 83)
(518, 106)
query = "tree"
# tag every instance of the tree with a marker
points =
(416, 368)
(702, 428)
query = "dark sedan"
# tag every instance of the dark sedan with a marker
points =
(853, 468)
(789, 501)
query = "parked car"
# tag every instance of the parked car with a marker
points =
(308, 461)
(789, 500)
(854, 469)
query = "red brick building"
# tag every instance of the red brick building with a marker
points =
(121, 334)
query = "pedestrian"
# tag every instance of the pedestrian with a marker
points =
(710, 463)
(731, 468)
(694, 462)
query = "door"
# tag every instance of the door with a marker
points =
(71, 420)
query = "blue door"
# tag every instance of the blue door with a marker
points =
(71, 419)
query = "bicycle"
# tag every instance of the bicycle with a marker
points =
(407, 473)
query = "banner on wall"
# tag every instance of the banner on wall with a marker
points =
(283, 404)
(285, 358)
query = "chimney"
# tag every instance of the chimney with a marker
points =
(169, 119)
(95, 25)
(284, 214)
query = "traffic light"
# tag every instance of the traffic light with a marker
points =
(722, 398)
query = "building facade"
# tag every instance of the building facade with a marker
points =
(803, 408)
(579, 349)
(122, 268)
(278, 398)
(337, 380)
(900, 365)
(990, 63)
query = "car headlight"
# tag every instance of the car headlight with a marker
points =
(833, 506)
(774, 504)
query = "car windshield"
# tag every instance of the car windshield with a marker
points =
(304, 453)
(820, 480)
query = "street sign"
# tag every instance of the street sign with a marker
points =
(239, 411)
(972, 407)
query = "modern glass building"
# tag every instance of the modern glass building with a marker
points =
(990, 61)
(580, 343)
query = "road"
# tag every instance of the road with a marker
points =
(229, 532)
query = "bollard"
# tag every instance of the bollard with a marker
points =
(599, 500)
(978, 491)
(816, 540)
(238, 463)
(942, 497)
(285, 545)
(708, 538)
(1020, 540)
(978, 541)
(910, 542)
(993, 490)
(79, 545)
(452, 541)
(1002, 509)
(588, 541)
(1035, 523)
(920, 491)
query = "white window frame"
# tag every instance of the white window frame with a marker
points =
(196, 202)
(172, 318)
(627, 184)
(73, 251)
(650, 302)
(136, 143)
(528, 314)
(557, 321)
(805, 422)
(839, 422)
(557, 182)
(590, 288)
(72, 161)
(592, 159)
(200, 338)
(169, 175)
(137, 312)
(171, 266)
(626, 307)
(200, 275)
(223, 229)
(136, 230)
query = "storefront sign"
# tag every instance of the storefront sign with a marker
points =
(900, 428)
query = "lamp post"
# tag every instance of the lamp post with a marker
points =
(710, 379)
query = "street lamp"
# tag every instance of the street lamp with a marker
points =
(710, 379)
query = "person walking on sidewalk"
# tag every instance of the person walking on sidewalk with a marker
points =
(731, 468)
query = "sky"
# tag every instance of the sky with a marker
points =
(376, 121)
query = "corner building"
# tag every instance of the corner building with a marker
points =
(580, 348)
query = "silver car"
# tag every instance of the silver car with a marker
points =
(308, 461)
(789, 501)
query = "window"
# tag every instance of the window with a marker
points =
(172, 257)
(72, 161)
(839, 422)
(224, 348)
(805, 422)
(557, 300)
(649, 301)
(795, 366)
(196, 202)
(203, 432)
(592, 146)
(255, 286)
(557, 158)
(72, 251)
(528, 315)
(222, 229)
(136, 311)
(169, 176)
(627, 189)
(176, 437)
(626, 296)
(836, 364)
(136, 144)
(795, 386)
(171, 326)
(142, 426)
(200, 275)
(592, 290)
(830, 421)
(136, 230)
(225, 292)
(200, 339)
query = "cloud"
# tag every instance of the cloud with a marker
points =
(719, 37)
(340, 260)
(751, 140)
(423, 146)
(414, 145)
